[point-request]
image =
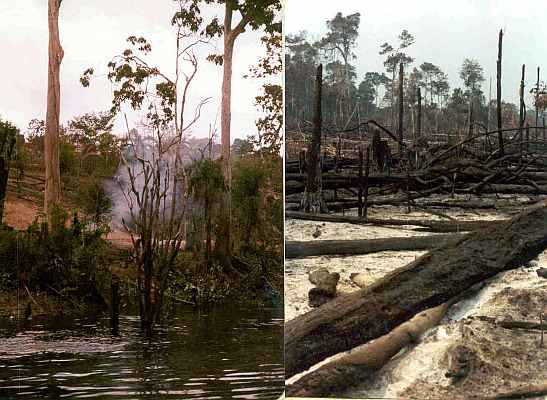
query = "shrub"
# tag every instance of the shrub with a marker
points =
(62, 260)
(94, 200)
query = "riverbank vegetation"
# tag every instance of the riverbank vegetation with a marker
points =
(163, 216)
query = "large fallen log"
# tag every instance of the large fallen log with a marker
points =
(359, 365)
(510, 189)
(432, 226)
(354, 319)
(311, 248)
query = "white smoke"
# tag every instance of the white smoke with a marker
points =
(151, 147)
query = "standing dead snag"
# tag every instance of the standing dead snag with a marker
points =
(419, 123)
(441, 274)
(401, 109)
(360, 192)
(52, 192)
(498, 94)
(367, 172)
(158, 234)
(522, 116)
(312, 200)
(537, 108)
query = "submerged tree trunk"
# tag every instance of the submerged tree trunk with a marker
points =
(52, 192)
(351, 320)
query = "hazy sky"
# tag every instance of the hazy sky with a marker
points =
(92, 32)
(445, 31)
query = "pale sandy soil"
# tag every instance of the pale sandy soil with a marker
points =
(374, 265)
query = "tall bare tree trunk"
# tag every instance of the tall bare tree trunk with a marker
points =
(419, 123)
(401, 109)
(52, 192)
(312, 200)
(230, 35)
(498, 90)
(225, 117)
(522, 117)
(537, 111)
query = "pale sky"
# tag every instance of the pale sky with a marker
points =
(445, 31)
(92, 32)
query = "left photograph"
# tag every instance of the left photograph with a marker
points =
(141, 199)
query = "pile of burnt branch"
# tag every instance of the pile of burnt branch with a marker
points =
(466, 167)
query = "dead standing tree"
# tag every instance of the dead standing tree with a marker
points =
(156, 178)
(313, 201)
(158, 233)
(498, 93)
(401, 109)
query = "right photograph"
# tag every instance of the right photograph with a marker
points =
(415, 199)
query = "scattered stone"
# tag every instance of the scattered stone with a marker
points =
(317, 232)
(325, 289)
(459, 363)
(542, 273)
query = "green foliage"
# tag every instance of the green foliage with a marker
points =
(8, 136)
(94, 200)
(396, 56)
(132, 76)
(341, 36)
(68, 162)
(197, 281)
(270, 127)
(257, 204)
(206, 187)
(471, 74)
(206, 180)
(242, 147)
(65, 260)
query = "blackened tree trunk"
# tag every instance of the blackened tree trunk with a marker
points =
(401, 109)
(537, 110)
(521, 108)
(498, 105)
(419, 123)
(313, 201)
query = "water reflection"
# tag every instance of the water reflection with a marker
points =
(211, 354)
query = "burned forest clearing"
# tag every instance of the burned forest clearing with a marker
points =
(415, 226)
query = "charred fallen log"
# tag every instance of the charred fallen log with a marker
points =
(294, 249)
(360, 364)
(432, 226)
